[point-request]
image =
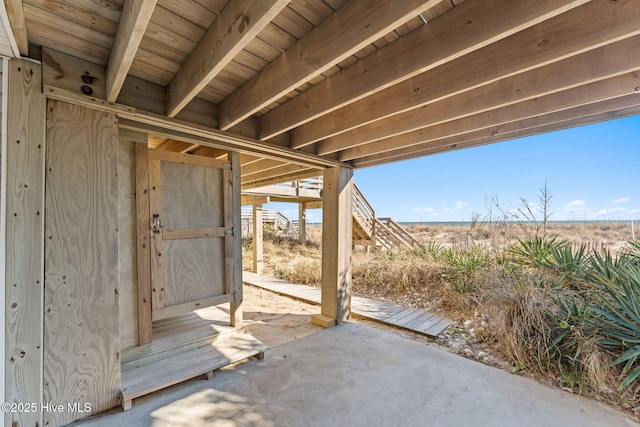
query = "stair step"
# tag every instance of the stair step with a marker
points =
(140, 378)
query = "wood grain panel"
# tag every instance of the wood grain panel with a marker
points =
(191, 196)
(81, 330)
(193, 269)
(24, 239)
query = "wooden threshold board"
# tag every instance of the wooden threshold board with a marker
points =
(141, 379)
(412, 319)
(185, 347)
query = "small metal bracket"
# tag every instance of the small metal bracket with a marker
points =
(155, 223)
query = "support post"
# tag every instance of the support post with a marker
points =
(337, 225)
(236, 303)
(257, 239)
(302, 223)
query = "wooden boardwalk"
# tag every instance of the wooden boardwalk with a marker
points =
(391, 314)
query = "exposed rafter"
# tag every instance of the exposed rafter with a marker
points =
(586, 114)
(549, 41)
(239, 23)
(15, 14)
(431, 45)
(575, 71)
(133, 23)
(349, 29)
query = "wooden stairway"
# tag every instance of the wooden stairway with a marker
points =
(380, 233)
(368, 230)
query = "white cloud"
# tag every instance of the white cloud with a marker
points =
(575, 204)
(424, 209)
(457, 206)
(620, 200)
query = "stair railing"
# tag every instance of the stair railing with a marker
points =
(364, 212)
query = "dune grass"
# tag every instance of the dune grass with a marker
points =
(566, 312)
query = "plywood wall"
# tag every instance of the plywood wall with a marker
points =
(81, 322)
(23, 190)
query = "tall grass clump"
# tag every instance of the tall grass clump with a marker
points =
(573, 315)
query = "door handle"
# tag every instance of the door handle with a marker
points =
(155, 223)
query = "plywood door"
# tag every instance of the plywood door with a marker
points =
(191, 232)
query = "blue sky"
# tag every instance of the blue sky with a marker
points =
(593, 173)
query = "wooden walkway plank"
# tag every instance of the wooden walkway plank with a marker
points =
(392, 314)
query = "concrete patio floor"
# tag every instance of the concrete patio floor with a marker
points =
(356, 375)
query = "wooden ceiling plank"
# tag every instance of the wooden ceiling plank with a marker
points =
(571, 33)
(133, 23)
(352, 27)
(625, 106)
(284, 168)
(247, 159)
(15, 14)
(193, 11)
(280, 176)
(102, 16)
(262, 165)
(239, 23)
(177, 146)
(425, 48)
(211, 152)
(598, 92)
(612, 60)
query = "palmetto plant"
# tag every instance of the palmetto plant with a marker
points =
(617, 312)
(534, 253)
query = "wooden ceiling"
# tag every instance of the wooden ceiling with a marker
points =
(306, 84)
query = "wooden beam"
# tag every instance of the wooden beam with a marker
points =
(133, 23)
(613, 60)
(336, 244)
(284, 169)
(250, 199)
(279, 178)
(586, 114)
(258, 264)
(352, 27)
(15, 13)
(568, 34)
(239, 22)
(481, 23)
(495, 118)
(288, 192)
(24, 191)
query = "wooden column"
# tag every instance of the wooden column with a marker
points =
(23, 162)
(236, 304)
(257, 239)
(302, 223)
(337, 224)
